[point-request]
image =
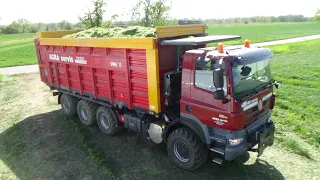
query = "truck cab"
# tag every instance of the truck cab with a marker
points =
(226, 99)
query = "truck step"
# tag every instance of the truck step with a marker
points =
(217, 150)
(217, 160)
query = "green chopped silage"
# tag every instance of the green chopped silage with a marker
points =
(117, 32)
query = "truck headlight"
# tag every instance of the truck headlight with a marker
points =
(235, 141)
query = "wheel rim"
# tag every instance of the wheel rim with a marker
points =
(66, 105)
(181, 151)
(84, 113)
(104, 121)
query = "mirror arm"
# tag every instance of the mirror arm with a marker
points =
(225, 100)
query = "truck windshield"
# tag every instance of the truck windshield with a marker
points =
(250, 78)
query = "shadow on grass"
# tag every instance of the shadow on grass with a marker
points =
(45, 146)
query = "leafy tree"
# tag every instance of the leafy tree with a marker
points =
(13, 28)
(33, 28)
(317, 15)
(107, 24)
(77, 25)
(150, 13)
(23, 25)
(94, 18)
(65, 25)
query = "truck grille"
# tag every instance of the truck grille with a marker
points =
(255, 110)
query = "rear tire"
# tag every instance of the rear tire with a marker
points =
(86, 112)
(186, 150)
(108, 121)
(68, 105)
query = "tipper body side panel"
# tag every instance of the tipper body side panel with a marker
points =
(115, 75)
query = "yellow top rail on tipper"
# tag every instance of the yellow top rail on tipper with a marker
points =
(55, 38)
(180, 30)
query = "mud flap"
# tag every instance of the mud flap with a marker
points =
(266, 138)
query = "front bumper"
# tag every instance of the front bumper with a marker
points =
(262, 136)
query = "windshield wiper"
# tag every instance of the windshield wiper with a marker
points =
(248, 92)
(265, 85)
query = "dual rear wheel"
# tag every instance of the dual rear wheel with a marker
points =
(184, 147)
(90, 113)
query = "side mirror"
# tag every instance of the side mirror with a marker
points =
(277, 85)
(218, 78)
(218, 82)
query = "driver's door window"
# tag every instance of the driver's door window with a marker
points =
(204, 68)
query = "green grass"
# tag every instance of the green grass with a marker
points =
(297, 108)
(294, 146)
(265, 32)
(16, 54)
(18, 49)
(11, 37)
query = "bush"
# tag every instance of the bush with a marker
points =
(9, 30)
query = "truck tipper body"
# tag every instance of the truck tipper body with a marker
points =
(170, 88)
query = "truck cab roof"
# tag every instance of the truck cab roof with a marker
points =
(196, 41)
(241, 55)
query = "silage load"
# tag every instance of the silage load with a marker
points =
(117, 32)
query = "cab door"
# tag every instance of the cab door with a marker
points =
(201, 103)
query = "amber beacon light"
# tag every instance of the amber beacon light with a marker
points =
(247, 43)
(220, 48)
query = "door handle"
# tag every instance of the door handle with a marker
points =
(188, 108)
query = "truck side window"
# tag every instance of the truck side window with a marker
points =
(204, 73)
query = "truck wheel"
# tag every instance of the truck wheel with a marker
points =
(68, 105)
(86, 112)
(108, 121)
(186, 150)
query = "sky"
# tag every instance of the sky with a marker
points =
(57, 10)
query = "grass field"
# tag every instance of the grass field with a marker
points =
(18, 49)
(297, 109)
(12, 37)
(265, 32)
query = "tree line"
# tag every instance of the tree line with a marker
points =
(260, 19)
(148, 13)
(25, 26)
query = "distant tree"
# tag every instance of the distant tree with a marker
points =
(171, 22)
(94, 18)
(317, 15)
(77, 25)
(33, 28)
(24, 24)
(64, 25)
(47, 27)
(150, 13)
(13, 28)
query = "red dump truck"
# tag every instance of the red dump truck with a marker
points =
(171, 88)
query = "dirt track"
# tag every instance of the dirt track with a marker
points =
(49, 149)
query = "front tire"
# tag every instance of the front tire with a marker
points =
(108, 121)
(86, 112)
(186, 150)
(68, 105)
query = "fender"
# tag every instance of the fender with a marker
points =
(194, 124)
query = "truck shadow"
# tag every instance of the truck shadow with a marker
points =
(43, 146)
